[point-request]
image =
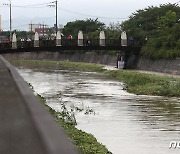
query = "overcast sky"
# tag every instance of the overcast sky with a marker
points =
(69, 10)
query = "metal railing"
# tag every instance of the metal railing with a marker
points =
(68, 43)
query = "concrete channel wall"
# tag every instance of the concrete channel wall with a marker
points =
(25, 125)
(132, 61)
(160, 65)
(90, 57)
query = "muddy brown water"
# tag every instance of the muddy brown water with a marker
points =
(125, 123)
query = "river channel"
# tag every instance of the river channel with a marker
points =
(125, 123)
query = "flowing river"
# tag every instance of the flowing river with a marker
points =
(125, 123)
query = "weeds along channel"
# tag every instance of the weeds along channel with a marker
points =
(135, 82)
(85, 142)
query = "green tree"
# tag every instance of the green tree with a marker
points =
(89, 27)
(143, 23)
(161, 25)
(168, 20)
(113, 31)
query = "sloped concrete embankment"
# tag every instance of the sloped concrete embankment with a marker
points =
(132, 61)
(90, 57)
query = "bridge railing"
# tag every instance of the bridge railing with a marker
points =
(5, 45)
(43, 43)
(24, 44)
(114, 42)
(70, 43)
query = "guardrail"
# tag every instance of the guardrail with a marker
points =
(26, 126)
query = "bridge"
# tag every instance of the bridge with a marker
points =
(124, 48)
(58, 44)
(26, 127)
(50, 45)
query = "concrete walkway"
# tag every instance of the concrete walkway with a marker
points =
(109, 67)
(158, 73)
(25, 125)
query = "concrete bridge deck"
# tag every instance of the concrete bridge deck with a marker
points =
(25, 125)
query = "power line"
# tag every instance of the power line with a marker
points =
(33, 5)
(5, 20)
(40, 5)
(20, 26)
(44, 5)
(18, 19)
(16, 6)
(37, 4)
(30, 7)
(73, 12)
(65, 10)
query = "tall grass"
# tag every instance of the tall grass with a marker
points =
(59, 65)
(147, 84)
(86, 143)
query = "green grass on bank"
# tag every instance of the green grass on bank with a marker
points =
(58, 65)
(137, 83)
(86, 143)
(147, 84)
(106, 52)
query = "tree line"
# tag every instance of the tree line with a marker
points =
(156, 28)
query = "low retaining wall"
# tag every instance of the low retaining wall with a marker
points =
(26, 126)
(132, 61)
(160, 65)
(90, 57)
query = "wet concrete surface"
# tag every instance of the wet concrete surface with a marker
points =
(174, 75)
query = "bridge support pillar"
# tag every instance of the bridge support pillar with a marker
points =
(102, 39)
(80, 39)
(36, 40)
(58, 39)
(123, 39)
(14, 41)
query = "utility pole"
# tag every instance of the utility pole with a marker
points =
(31, 30)
(31, 26)
(0, 23)
(43, 29)
(55, 4)
(56, 16)
(10, 22)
